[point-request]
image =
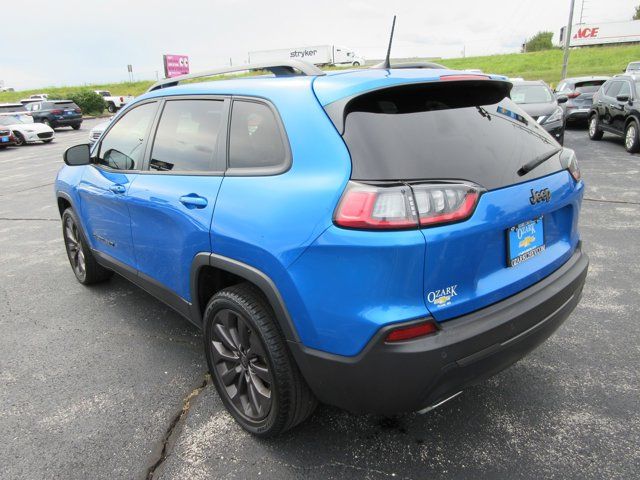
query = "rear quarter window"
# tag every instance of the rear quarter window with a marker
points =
(256, 138)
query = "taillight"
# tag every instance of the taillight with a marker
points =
(405, 206)
(56, 112)
(570, 162)
(573, 94)
(121, 99)
(412, 331)
(445, 203)
(367, 206)
(77, 110)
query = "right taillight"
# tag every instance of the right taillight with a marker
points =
(395, 207)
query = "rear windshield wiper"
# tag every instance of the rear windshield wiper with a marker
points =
(536, 162)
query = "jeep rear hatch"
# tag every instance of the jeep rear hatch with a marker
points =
(487, 186)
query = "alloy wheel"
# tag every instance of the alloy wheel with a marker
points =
(74, 247)
(630, 138)
(241, 364)
(592, 126)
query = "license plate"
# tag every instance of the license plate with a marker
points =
(69, 112)
(4, 139)
(525, 241)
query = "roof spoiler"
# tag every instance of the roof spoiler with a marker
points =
(411, 65)
(284, 68)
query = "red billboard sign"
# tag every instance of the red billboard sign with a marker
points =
(175, 65)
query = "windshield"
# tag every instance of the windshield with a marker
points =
(531, 94)
(15, 119)
(634, 66)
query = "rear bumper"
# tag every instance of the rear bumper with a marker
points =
(577, 113)
(65, 122)
(407, 376)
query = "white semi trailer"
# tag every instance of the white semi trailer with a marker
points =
(583, 35)
(317, 54)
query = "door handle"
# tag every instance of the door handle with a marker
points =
(117, 188)
(193, 201)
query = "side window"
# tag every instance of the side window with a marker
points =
(625, 89)
(613, 89)
(187, 135)
(123, 146)
(255, 138)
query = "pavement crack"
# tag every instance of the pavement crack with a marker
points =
(26, 189)
(622, 202)
(175, 421)
(30, 219)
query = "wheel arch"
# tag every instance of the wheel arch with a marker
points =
(211, 273)
(64, 201)
(631, 118)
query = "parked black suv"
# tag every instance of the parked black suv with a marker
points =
(615, 110)
(56, 113)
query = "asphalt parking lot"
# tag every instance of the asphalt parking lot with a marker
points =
(107, 382)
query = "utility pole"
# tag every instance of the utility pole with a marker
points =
(567, 40)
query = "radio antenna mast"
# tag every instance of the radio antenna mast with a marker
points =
(387, 60)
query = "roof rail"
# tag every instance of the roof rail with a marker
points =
(283, 68)
(412, 65)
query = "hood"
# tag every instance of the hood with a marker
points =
(101, 127)
(34, 127)
(539, 109)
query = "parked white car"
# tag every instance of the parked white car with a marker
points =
(25, 130)
(114, 103)
(94, 134)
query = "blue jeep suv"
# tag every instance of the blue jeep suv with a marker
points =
(375, 239)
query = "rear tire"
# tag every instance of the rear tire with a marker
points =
(594, 129)
(250, 364)
(76, 127)
(631, 141)
(84, 265)
(111, 107)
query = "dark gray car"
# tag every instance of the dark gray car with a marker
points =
(537, 99)
(579, 91)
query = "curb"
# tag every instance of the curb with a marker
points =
(104, 115)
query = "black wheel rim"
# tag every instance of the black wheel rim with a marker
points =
(240, 364)
(74, 247)
(19, 139)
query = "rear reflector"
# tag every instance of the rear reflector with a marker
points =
(405, 206)
(411, 332)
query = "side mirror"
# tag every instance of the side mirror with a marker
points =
(622, 98)
(77, 155)
(562, 99)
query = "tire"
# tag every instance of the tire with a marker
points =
(242, 365)
(19, 139)
(594, 130)
(84, 265)
(631, 141)
(356, 64)
(76, 127)
(111, 107)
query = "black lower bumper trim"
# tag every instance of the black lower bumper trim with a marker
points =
(407, 376)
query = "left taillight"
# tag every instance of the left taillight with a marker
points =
(396, 207)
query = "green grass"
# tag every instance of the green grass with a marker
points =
(545, 65)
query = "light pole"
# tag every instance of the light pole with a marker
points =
(567, 40)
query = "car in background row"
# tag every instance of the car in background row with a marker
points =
(24, 129)
(56, 113)
(6, 138)
(114, 103)
(632, 68)
(579, 92)
(537, 100)
(615, 110)
(97, 131)
(12, 107)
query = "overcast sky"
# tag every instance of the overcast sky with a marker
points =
(70, 42)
